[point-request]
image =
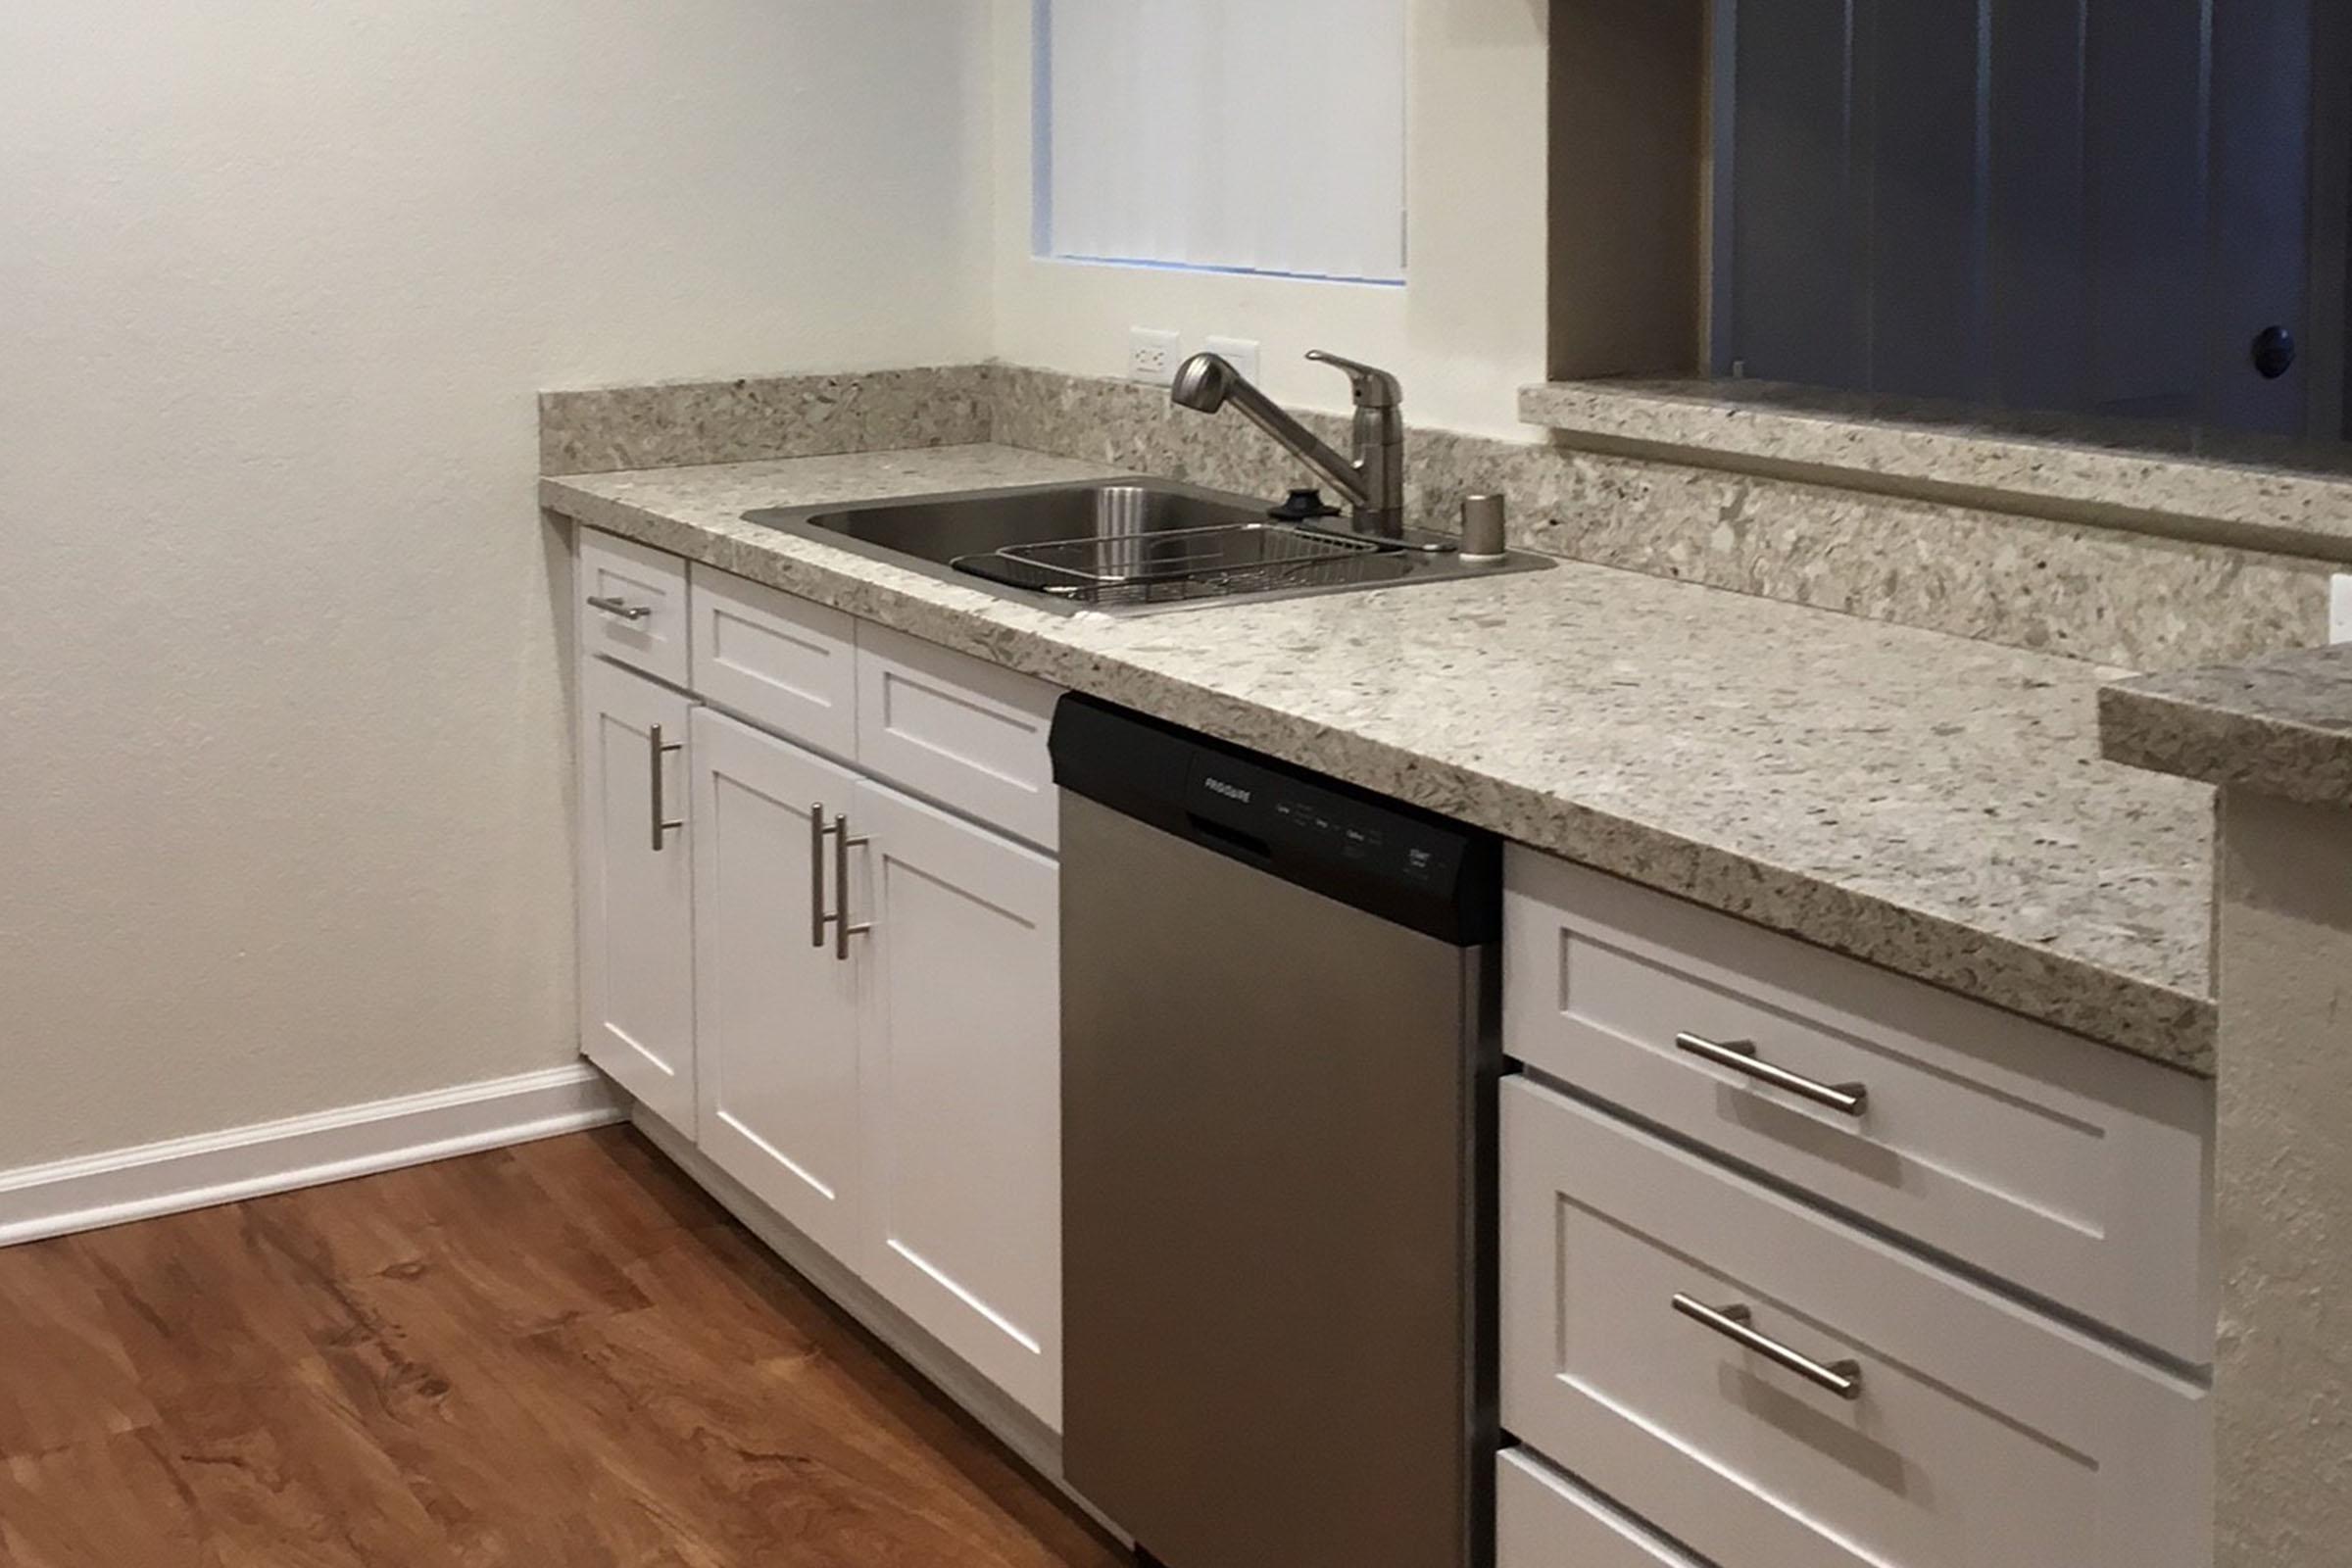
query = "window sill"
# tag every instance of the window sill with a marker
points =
(2279, 496)
(1206, 270)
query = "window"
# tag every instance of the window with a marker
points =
(1227, 136)
(2131, 208)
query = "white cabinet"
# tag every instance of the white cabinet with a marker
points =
(777, 1010)
(1780, 1390)
(896, 1097)
(892, 1093)
(2070, 1170)
(1729, 1293)
(636, 889)
(962, 1068)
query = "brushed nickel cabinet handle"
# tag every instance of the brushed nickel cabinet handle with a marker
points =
(816, 875)
(1736, 1324)
(838, 919)
(620, 608)
(843, 843)
(1739, 1056)
(661, 825)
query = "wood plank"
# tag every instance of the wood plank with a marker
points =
(888, 1427)
(560, 1354)
(301, 1485)
(67, 1379)
(642, 1201)
(196, 1319)
(109, 1503)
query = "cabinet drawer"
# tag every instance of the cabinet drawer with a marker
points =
(632, 605)
(783, 662)
(1545, 1520)
(965, 733)
(1979, 1435)
(2071, 1170)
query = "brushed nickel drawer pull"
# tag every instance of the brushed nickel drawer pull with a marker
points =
(622, 608)
(662, 826)
(1736, 1323)
(1739, 1056)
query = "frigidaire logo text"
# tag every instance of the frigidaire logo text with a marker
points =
(1232, 792)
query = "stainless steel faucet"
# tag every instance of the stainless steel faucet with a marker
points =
(1373, 480)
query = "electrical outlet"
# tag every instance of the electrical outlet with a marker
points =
(1151, 356)
(2339, 611)
(1239, 352)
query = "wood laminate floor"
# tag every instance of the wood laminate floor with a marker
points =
(560, 1355)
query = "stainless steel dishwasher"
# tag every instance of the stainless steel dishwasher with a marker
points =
(1279, 999)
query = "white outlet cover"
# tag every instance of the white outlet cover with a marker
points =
(2339, 610)
(1151, 356)
(1239, 352)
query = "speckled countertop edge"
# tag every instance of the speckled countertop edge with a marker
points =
(1714, 758)
(2235, 491)
(2281, 726)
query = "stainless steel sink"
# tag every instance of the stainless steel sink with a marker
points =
(1124, 547)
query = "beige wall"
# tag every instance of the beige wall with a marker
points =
(285, 768)
(2283, 1371)
(1466, 330)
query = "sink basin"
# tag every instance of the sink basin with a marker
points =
(1123, 547)
(946, 529)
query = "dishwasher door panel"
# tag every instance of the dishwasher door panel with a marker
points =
(1277, 1271)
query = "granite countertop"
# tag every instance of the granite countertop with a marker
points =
(2280, 725)
(1934, 806)
(2259, 491)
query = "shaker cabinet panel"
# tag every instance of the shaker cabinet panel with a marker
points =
(958, 730)
(2071, 1170)
(962, 1080)
(1542, 1519)
(631, 604)
(776, 1003)
(1778, 1389)
(783, 662)
(636, 913)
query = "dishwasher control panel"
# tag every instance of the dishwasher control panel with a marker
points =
(1288, 813)
(1404, 863)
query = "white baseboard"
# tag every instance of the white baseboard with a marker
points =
(129, 1184)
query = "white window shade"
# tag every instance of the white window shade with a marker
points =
(1245, 135)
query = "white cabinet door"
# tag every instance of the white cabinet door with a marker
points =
(776, 1012)
(962, 1088)
(636, 889)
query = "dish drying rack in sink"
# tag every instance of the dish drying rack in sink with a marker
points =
(1212, 562)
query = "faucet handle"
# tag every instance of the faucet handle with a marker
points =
(1374, 388)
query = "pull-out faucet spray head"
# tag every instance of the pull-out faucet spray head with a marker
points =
(1203, 382)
